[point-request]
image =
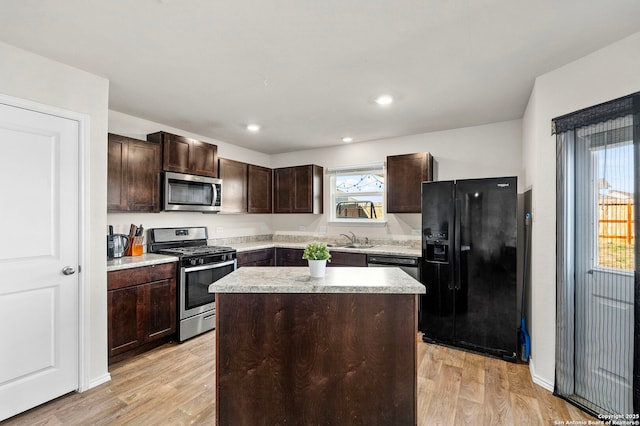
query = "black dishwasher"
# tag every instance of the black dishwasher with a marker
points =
(408, 264)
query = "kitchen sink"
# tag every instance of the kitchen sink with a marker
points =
(360, 246)
(353, 242)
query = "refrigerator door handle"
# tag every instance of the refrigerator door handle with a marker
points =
(450, 281)
(456, 250)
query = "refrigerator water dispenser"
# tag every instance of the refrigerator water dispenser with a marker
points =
(437, 252)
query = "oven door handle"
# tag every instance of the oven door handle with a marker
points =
(210, 266)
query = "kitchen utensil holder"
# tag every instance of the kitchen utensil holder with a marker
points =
(136, 246)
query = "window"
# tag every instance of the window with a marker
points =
(357, 194)
(614, 165)
(603, 189)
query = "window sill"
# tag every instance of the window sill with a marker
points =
(358, 222)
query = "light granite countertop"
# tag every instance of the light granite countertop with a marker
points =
(146, 259)
(376, 249)
(277, 279)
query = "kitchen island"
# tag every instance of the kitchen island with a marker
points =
(295, 350)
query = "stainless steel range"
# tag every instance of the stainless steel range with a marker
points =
(199, 266)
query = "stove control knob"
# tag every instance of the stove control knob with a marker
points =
(201, 261)
(192, 262)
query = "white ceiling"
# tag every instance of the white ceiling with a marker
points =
(308, 70)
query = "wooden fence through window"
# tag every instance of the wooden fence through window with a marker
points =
(616, 221)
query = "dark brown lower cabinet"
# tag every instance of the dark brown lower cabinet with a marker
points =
(289, 257)
(261, 257)
(293, 257)
(316, 359)
(141, 309)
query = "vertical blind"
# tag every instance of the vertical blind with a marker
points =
(597, 262)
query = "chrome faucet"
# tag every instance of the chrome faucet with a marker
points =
(352, 238)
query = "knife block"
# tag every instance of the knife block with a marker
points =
(136, 246)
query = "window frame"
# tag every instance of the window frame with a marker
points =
(594, 218)
(365, 168)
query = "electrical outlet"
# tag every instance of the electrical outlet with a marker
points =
(322, 229)
(219, 229)
(302, 228)
(415, 232)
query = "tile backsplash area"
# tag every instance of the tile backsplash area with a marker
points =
(230, 241)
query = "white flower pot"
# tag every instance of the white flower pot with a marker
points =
(317, 268)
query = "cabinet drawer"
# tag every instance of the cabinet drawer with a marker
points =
(144, 274)
(262, 256)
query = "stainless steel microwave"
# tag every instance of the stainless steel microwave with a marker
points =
(192, 193)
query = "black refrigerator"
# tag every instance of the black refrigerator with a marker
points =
(469, 240)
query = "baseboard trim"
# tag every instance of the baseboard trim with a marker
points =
(537, 379)
(97, 382)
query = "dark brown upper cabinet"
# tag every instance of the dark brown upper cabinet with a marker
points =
(246, 188)
(404, 175)
(298, 189)
(234, 175)
(185, 155)
(259, 189)
(133, 175)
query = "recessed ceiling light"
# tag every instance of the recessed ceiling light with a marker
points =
(347, 139)
(384, 99)
(253, 127)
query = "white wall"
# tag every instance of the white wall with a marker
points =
(604, 75)
(28, 76)
(472, 152)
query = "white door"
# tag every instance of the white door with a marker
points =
(604, 357)
(38, 258)
(604, 293)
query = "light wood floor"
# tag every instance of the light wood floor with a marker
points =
(175, 385)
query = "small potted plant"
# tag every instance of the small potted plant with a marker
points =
(317, 254)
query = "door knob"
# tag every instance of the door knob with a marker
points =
(68, 270)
